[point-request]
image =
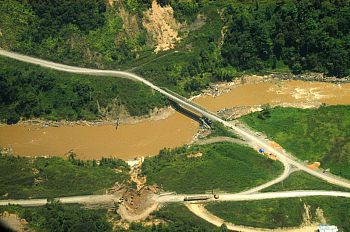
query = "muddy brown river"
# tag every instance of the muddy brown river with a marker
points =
(149, 136)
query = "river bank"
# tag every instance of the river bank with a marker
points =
(156, 114)
(167, 128)
(213, 90)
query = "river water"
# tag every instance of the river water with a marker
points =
(149, 136)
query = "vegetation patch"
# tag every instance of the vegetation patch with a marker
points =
(57, 217)
(282, 35)
(177, 218)
(321, 134)
(277, 213)
(233, 37)
(223, 167)
(29, 91)
(22, 177)
(219, 130)
(303, 181)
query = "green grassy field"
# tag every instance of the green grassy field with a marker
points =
(283, 212)
(303, 181)
(181, 219)
(220, 130)
(223, 166)
(52, 177)
(310, 134)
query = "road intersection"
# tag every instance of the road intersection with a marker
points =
(245, 133)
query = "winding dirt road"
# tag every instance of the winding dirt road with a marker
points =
(286, 172)
(247, 134)
(202, 212)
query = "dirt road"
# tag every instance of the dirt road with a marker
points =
(203, 213)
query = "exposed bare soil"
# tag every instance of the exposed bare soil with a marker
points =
(162, 26)
(14, 222)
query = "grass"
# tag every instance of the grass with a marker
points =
(310, 134)
(278, 213)
(22, 177)
(303, 181)
(178, 215)
(220, 130)
(223, 167)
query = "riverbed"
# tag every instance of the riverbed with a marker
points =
(149, 136)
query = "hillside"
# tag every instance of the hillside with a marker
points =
(183, 45)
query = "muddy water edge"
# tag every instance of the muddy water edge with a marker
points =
(149, 136)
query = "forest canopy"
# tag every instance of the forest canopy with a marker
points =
(304, 35)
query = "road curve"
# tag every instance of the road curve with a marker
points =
(285, 157)
(243, 132)
(286, 172)
(202, 212)
(97, 72)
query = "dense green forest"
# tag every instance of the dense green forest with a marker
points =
(231, 38)
(310, 134)
(304, 35)
(22, 177)
(57, 217)
(29, 91)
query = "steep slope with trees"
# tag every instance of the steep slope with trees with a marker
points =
(220, 40)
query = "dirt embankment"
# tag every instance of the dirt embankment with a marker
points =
(122, 119)
(137, 201)
(162, 26)
(14, 222)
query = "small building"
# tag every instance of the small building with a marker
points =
(327, 228)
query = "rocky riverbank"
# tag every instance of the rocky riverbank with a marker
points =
(156, 114)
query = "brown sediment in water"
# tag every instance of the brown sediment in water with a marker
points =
(149, 136)
(93, 142)
(275, 92)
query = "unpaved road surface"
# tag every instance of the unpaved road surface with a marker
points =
(167, 198)
(243, 132)
(85, 200)
(254, 196)
(203, 213)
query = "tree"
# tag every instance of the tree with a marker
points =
(13, 118)
(265, 113)
(223, 228)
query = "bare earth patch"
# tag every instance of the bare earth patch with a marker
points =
(13, 222)
(162, 26)
(195, 155)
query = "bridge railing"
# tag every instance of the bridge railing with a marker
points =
(189, 101)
